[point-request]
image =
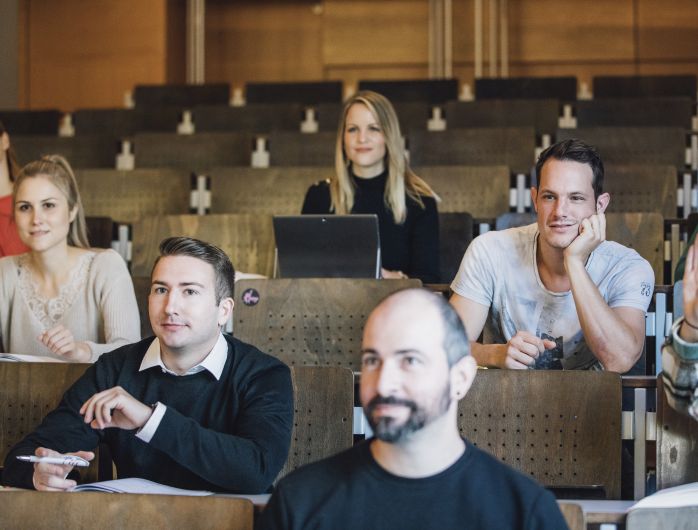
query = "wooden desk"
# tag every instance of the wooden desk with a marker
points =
(602, 511)
(595, 511)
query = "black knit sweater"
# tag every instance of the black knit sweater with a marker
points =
(230, 435)
(411, 247)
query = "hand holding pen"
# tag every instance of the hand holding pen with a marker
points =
(50, 476)
(63, 460)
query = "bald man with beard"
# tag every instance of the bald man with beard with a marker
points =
(416, 472)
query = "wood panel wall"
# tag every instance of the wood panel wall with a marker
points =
(371, 39)
(88, 54)
(83, 54)
(251, 40)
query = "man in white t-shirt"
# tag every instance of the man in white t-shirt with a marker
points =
(556, 294)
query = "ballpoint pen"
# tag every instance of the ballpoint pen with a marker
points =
(63, 460)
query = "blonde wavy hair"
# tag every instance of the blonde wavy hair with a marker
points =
(58, 171)
(401, 179)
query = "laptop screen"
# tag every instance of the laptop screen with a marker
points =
(327, 246)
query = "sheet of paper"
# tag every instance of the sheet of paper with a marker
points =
(138, 485)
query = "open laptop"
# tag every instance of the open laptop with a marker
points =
(327, 246)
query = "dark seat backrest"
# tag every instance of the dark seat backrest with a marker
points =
(413, 115)
(455, 234)
(508, 146)
(315, 322)
(127, 196)
(31, 122)
(181, 95)
(29, 391)
(122, 123)
(100, 231)
(635, 112)
(677, 438)
(328, 115)
(307, 93)
(323, 399)
(563, 428)
(94, 151)
(247, 238)
(641, 188)
(195, 152)
(410, 115)
(541, 114)
(561, 88)
(634, 145)
(642, 231)
(482, 191)
(298, 149)
(273, 191)
(258, 118)
(141, 286)
(425, 90)
(643, 86)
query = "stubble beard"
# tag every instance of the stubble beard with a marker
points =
(388, 429)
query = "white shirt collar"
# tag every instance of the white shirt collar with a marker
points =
(213, 362)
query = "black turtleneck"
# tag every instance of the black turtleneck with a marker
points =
(411, 247)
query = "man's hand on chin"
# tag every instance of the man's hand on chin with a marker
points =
(592, 232)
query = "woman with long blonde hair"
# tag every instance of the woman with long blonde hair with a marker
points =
(372, 175)
(61, 299)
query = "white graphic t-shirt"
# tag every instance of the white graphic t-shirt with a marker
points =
(499, 271)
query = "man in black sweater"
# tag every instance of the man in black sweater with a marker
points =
(192, 408)
(417, 473)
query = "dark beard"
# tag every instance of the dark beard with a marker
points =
(386, 429)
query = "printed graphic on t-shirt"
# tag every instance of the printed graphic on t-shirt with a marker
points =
(550, 359)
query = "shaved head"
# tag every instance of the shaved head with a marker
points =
(427, 303)
(415, 365)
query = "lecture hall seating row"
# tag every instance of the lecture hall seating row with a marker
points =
(563, 428)
(166, 102)
(544, 115)
(483, 191)
(515, 147)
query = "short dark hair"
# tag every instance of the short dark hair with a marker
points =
(455, 342)
(211, 254)
(577, 151)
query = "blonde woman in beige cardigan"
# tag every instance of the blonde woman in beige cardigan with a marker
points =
(61, 299)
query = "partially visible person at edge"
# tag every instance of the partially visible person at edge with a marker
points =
(680, 351)
(372, 176)
(681, 265)
(61, 299)
(10, 243)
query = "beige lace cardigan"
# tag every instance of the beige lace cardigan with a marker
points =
(97, 304)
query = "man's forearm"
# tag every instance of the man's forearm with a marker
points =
(609, 337)
(486, 354)
(247, 462)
